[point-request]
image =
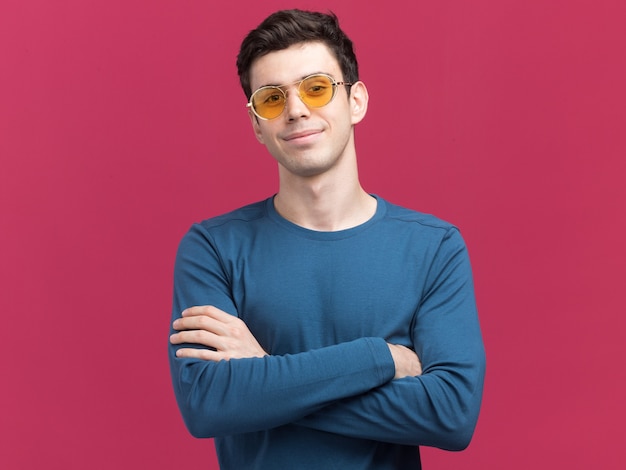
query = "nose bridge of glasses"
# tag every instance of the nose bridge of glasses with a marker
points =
(288, 90)
(294, 98)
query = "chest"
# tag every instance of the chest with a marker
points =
(318, 294)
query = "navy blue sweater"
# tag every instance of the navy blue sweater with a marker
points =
(324, 305)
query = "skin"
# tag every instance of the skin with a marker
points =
(319, 188)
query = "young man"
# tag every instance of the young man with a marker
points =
(323, 327)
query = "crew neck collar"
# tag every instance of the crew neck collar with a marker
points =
(381, 209)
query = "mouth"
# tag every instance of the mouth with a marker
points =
(302, 136)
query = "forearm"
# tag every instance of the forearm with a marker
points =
(436, 409)
(246, 395)
(439, 408)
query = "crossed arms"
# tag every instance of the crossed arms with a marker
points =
(228, 338)
(226, 383)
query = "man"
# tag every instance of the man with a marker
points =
(324, 327)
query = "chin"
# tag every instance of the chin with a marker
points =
(308, 171)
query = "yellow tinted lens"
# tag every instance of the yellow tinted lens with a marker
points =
(268, 102)
(317, 91)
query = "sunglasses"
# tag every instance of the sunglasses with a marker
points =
(268, 102)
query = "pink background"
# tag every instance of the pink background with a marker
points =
(122, 122)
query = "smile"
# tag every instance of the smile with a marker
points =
(301, 136)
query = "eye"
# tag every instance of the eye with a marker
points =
(316, 86)
(270, 96)
(273, 99)
(314, 89)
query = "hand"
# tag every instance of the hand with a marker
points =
(406, 361)
(209, 326)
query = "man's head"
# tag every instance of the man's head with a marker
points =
(285, 28)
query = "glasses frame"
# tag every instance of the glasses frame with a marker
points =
(281, 88)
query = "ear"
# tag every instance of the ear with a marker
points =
(358, 101)
(255, 126)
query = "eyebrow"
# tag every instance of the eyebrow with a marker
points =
(296, 81)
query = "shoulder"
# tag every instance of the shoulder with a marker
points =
(428, 231)
(246, 214)
(239, 224)
(421, 220)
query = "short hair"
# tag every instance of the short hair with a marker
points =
(285, 28)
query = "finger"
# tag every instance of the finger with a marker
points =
(198, 322)
(204, 354)
(198, 310)
(209, 311)
(201, 337)
(207, 318)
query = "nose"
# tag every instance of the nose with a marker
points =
(294, 106)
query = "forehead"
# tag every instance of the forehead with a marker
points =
(292, 64)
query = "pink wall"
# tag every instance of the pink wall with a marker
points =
(121, 123)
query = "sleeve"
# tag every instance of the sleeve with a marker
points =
(439, 408)
(246, 395)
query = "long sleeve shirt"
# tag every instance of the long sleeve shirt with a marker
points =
(324, 305)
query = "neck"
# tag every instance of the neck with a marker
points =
(323, 204)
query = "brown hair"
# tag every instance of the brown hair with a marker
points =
(285, 28)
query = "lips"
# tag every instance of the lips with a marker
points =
(301, 134)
